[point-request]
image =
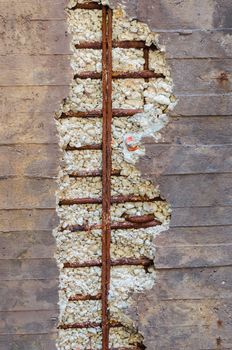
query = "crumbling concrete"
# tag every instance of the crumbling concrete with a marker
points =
(155, 98)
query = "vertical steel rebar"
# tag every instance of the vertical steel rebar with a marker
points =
(106, 167)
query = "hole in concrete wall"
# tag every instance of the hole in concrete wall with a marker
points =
(99, 275)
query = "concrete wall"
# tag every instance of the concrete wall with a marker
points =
(190, 305)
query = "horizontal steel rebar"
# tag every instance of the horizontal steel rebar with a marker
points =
(146, 262)
(87, 6)
(126, 44)
(115, 199)
(144, 74)
(139, 219)
(83, 148)
(112, 324)
(81, 297)
(98, 113)
(114, 226)
(93, 173)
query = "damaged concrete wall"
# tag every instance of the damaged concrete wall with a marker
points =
(80, 129)
(189, 307)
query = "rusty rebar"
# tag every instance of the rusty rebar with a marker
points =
(81, 297)
(139, 219)
(114, 226)
(111, 324)
(87, 6)
(81, 114)
(83, 148)
(98, 113)
(143, 261)
(113, 200)
(106, 167)
(93, 173)
(130, 225)
(144, 74)
(126, 44)
(146, 66)
(80, 325)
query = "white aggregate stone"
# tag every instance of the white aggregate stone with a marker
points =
(80, 339)
(126, 60)
(132, 186)
(82, 161)
(85, 25)
(160, 210)
(79, 131)
(82, 311)
(124, 337)
(86, 280)
(86, 60)
(80, 214)
(157, 63)
(81, 187)
(159, 94)
(78, 246)
(128, 93)
(85, 95)
(126, 29)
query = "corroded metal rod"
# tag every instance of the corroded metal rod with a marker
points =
(112, 324)
(80, 325)
(130, 225)
(146, 262)
(126, 112)
(113, 200)
(133, 44)
(81, 297)
(139, 219)
(83, 148)
(98, 113)
(144, 74)
(114, 225)
(93, 173)
(106, 167)
(87, 6)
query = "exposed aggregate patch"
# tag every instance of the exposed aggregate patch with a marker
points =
(155, 98)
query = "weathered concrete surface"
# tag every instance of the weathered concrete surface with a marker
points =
(33, 83)
(189, 307)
